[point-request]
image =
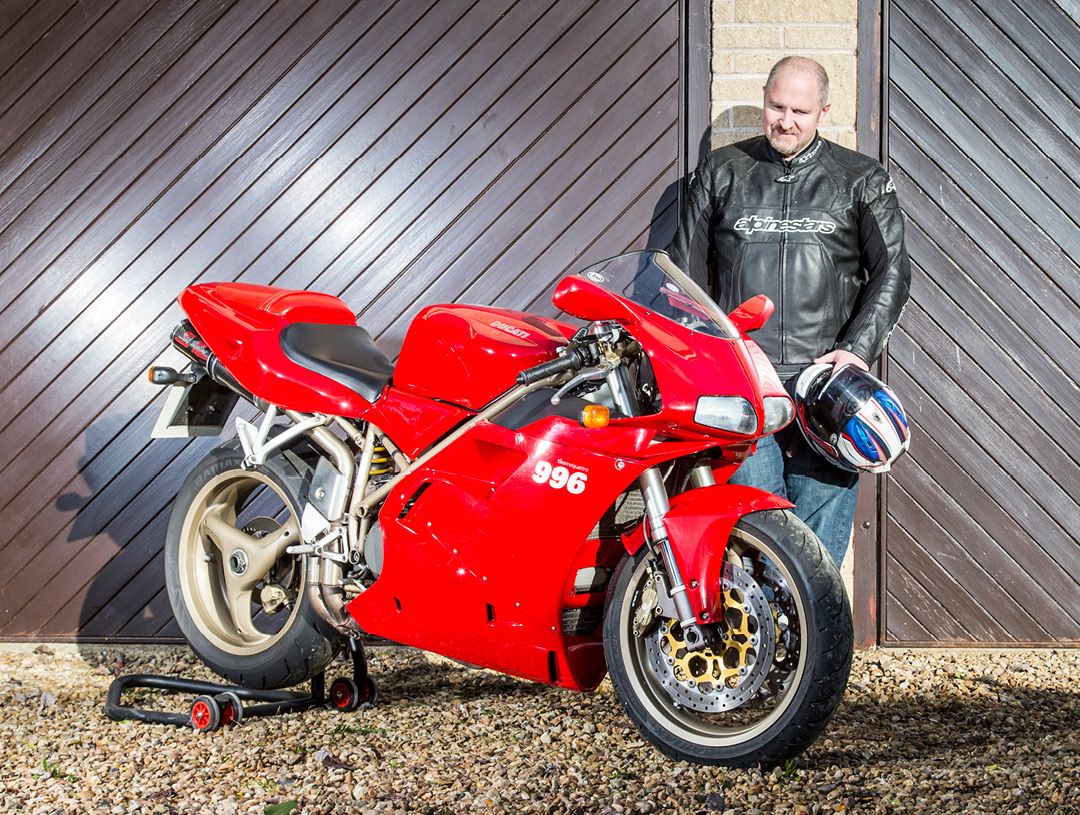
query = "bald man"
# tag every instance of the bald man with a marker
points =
(818, 229)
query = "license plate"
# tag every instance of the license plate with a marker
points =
(198, 409)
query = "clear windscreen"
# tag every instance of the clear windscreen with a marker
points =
(651, 279)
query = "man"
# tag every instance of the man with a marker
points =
(818, 229)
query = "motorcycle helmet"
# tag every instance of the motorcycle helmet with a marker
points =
(850, 417)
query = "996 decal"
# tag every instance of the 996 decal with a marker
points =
(558, 477)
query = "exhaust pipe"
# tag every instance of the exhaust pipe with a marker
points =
(324, 575)
(327, 597)
(188, 342)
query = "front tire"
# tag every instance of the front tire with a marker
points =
(689, 705)
(237, 596)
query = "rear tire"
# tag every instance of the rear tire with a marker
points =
(226, 571)
(806, 673)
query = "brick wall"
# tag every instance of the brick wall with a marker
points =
(750, 35)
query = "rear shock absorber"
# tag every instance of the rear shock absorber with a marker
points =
(381, 462)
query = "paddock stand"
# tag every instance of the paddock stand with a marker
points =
(219, 705)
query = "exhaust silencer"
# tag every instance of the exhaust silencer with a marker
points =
(188, 342)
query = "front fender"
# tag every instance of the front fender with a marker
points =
(698, 525)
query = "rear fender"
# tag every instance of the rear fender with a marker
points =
(699, 524)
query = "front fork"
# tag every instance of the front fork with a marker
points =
(655, 496)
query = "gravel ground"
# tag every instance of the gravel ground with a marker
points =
(918, 732)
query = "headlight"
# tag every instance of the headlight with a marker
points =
(779, 410)
(731, 413)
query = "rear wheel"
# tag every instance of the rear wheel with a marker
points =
(237, 595)
(776, 667)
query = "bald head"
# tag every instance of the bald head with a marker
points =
(806, 66)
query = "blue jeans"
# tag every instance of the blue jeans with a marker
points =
(823, 495)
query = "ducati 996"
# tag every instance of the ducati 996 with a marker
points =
(517, 492)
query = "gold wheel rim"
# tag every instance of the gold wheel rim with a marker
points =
(711, 730)
(226, 559)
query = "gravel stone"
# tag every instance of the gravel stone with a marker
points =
(927, 731)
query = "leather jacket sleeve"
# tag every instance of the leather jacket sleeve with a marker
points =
(691, 247)
(888, 273)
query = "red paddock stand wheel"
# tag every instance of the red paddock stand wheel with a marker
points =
(205, 714)
(346, 695)
(232, 710)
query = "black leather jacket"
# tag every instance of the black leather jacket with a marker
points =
(821, 235)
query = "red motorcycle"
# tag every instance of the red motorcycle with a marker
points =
(515, 493)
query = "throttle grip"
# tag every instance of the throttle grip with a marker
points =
(574, 359)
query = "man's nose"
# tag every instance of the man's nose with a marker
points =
(787, 120)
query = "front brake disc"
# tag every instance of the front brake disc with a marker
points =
(732, 671)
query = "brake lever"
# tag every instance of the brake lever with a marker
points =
(581, 378)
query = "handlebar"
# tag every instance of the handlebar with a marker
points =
(575, 358)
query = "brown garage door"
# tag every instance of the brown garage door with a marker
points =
(395, 154)
(981, 532)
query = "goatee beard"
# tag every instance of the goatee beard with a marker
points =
(784, 151)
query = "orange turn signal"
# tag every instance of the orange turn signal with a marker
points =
(595, 416)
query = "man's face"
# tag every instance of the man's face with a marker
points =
(792, 111)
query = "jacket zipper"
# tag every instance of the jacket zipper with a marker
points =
(783, 258)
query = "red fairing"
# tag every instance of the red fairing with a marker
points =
(687, 364)
(469, 355)
(698, 525)
(242, 324)
(413, 422)
(480, 564)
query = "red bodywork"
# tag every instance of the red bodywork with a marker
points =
(469, 355)
(482, 549)
(242, 324)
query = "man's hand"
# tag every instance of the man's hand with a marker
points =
(838, 358)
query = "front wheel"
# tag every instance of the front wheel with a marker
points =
(776, 666)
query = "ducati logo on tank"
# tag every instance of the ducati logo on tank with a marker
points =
(510, 329)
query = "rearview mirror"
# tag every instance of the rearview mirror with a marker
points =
(753, 313)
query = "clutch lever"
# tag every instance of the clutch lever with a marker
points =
(580, 379)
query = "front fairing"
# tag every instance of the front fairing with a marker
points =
(693, 349)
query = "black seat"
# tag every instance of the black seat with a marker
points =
(344, 353)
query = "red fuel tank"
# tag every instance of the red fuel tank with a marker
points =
(469, 355)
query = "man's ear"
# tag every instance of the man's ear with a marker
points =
(824, 110)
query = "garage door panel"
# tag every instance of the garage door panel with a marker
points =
(990, 431)
(517, 184)
(918, 615)
(77, 260)
(995, 160)
(982, 358)
(939, 429)
(955, 166)
(389, 153)
(527, 190)
(1033, 84)
(981, 107)
(988, 278)
(1037, 124)
(67, 147)
(986, 571)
